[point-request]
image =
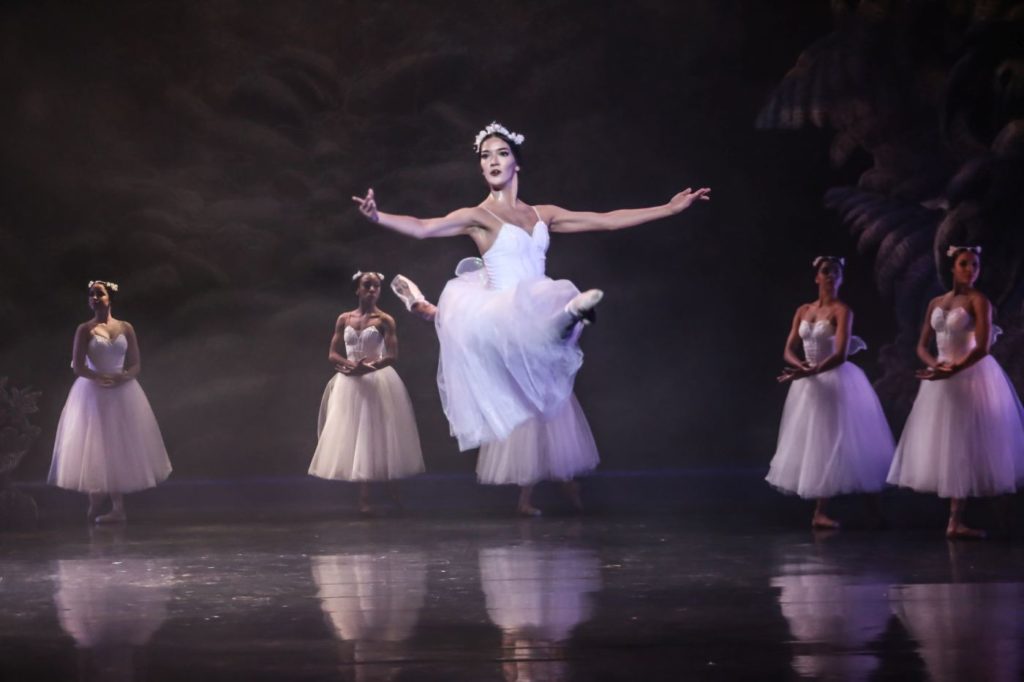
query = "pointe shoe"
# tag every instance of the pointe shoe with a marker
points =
(112, 517)
(581, 307)
(407, 290)
(962, 532)
(528, 511)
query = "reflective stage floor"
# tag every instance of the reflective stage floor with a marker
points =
(680, 576)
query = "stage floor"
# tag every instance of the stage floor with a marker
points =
(678, 576)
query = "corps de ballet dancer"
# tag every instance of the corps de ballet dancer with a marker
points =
(965, 433)
(367, 429)
(108, 442)
(833, 438)
(508, 344)
(556, 448)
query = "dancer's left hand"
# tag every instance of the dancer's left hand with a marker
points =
(941, 371)
(685, 199)
(368, 206)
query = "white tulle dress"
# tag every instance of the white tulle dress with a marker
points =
(367, 429)
(965, 434)
(108, 440)
(833, 438)
(507, 366)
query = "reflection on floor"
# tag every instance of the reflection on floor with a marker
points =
(646, 594)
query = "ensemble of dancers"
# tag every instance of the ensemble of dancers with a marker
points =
(509, 353)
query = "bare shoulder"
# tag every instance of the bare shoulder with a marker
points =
(386, 320)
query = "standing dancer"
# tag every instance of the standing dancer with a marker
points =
(108, 442)
(555, 448)
(833, 438)
(965, 433)
(509, 348)
(367, 430)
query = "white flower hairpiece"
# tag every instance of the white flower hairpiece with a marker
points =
(360, 273)
(496, 127)
(952, 250)
(821, 259)
(110, 286)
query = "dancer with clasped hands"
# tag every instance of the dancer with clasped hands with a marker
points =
(509, 350)
(833, 438)
(108, 442)
(965, 433)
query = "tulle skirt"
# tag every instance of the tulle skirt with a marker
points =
(108, 440)
(964, 436)
(504, 355)
(367, 430)
(833, 438)
(555, 448)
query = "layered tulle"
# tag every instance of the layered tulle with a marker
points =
(505, 357)
(367, 430)
(964, 436)
(833, 438)
(108, 440)
(558, 448)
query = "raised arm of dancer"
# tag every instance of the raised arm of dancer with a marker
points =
(563, 220)
(336, 352)
(132, 359)
(455, 223)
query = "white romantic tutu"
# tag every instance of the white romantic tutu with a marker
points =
(108, 440)
(964, 436)
(557, 448)
(833, 438)
(367, 430)
(503, 356)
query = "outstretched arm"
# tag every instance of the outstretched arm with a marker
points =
(455, 223)
(563, 220)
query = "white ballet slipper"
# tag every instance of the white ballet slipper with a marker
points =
(581, 307)
(407, 290)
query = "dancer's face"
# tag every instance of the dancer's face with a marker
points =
(368, 289)
(830, 274)
(99, 297)
(966, 268)
(497, 162)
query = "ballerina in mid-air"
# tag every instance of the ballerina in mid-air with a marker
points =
(508, 340)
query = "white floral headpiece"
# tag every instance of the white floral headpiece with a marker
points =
(952, 250)
(496, 127)
(360, 273)
(110, 286)
(821, 259)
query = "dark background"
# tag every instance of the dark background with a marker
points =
(202, 154)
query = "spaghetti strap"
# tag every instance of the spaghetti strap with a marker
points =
(539, 219)
(493, 215)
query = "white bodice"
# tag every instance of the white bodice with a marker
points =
(954, 333)
(105, 356)
(367, 344)
(819, 339)
(516, 255)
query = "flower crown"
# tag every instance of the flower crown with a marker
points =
(109, 286)
(497, 128)
(837, 259)
(952, 250)
(360, 273)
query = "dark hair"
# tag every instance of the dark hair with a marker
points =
(517, 150)
(823, 260)
(358, 281)
(107, 287)
(965, 249)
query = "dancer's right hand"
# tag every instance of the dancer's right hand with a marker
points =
(368, 206)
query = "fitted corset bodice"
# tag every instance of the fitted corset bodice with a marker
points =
(954, 333)
(516, 255)
(106, 356)
(367, 344)
(819, 339)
